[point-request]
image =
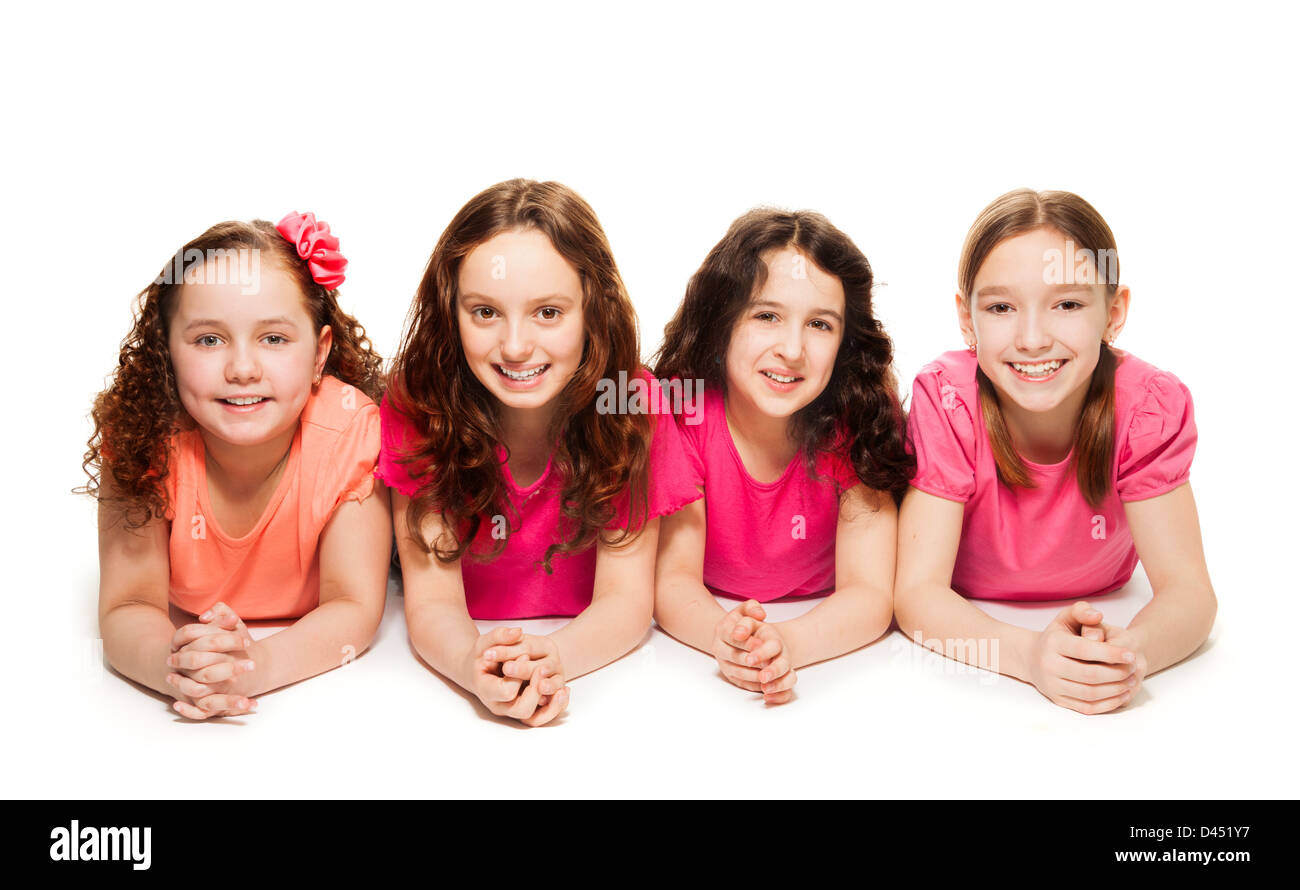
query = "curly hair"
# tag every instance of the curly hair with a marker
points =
(859, 413)
(139, 412)
(602, 458)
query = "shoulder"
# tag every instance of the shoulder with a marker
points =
(335, 406)
(946, 386)
(1148, 399)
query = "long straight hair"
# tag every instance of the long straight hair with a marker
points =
(1014, 214)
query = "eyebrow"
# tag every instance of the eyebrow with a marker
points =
(548, 298)
(831, 312)
(217, 323)
(996, 290)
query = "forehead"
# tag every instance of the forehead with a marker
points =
(793, 277)
(518, 265)
(216, 294)
(1023, 259)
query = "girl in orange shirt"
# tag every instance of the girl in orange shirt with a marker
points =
(232, 459)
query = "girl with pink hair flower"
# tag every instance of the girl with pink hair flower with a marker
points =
(233, 458)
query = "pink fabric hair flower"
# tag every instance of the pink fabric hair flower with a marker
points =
(316, 245)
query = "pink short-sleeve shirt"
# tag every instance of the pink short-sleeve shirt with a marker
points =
(513, 585)
(1046, 543)
(764, 540)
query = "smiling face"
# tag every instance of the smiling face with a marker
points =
(245, 362)
(1038, 342)
(520, 318)
(783, 347)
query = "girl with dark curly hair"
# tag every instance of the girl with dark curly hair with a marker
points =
(233, 457)
(520, 489)
(800, 454)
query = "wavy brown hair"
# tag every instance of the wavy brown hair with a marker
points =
(1016, 213)
(138, 413)
(601, 458)
(861, 397)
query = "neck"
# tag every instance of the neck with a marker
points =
(242, 469)
(526, 429)
(767, 434)
(1044, 437)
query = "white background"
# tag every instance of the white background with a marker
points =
(130, 129)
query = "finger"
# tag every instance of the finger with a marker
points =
(763, 646)
(529, 646)
(1074, 617)
(224, 617)
(549, 679)
(1093, 633)
(185, 709)
(188, 687)
(1095, 707)
(550, 709)
(1091, 673)
(778, 669)
(1078, 648)
(754, 609)
(217, 673)
(1098, 692)
(191, 660)
(778, 698)
(743, 684)
(234, 704)
(497, 689)
(781, 683)
(526, 704)
(217, 642)
(499, 636)
(521, 668)
(735, 672)
(744, 629)
(189, 633)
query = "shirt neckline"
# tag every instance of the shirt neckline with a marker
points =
(735, 452)
(205, 504)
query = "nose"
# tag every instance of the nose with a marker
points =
(516, 344)
(790, 345)
(243, 366)
(1032, 334)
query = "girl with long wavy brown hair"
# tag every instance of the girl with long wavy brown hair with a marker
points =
(1048, 463)
(800, 455)
(233, 458)
(519, 489)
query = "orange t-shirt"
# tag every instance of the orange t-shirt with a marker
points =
(274, 570)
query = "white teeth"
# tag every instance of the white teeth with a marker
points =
(779, 379)
(1038, 370)
(253, 400)
(523, 375)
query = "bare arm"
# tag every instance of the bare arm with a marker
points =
(861, 607)
(1167, 534)
(683, 606)
(929, 610)
(354, 553)
(134, 586)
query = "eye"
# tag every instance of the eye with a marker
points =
(555, 313)
(1070, 305)
(277, 338)
(999, 308)
(478, 311)
(766, 316)
(203, 341)
(825, 326)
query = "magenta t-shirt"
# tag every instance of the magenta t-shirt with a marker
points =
(513, 585)
(765, 540)
(1046, 543)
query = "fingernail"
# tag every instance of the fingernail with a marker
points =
(171, 678)
(490, 654)
(765, 677)
(206, 615)
(171, 661)
(248, 665)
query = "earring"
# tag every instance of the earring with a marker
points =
(317, 380)
(970, 347)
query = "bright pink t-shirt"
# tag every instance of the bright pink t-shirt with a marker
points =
(1046, 543)
(765, 540)
(514, 585)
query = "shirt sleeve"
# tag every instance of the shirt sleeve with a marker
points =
(348, 473)
(941, 433)
(398, 437)
(673, 480)
(1156, 455)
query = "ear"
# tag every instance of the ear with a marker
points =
(1117, 312)
(324, 342)
(964, 319)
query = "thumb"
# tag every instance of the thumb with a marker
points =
(1076, 616)
(754, 610)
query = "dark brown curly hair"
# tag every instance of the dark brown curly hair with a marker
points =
(861, 398)
(139, 412)
(602, 458)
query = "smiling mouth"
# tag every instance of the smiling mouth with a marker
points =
(1038, 369)
(520, 376)
(250, 400)
(779, 378)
